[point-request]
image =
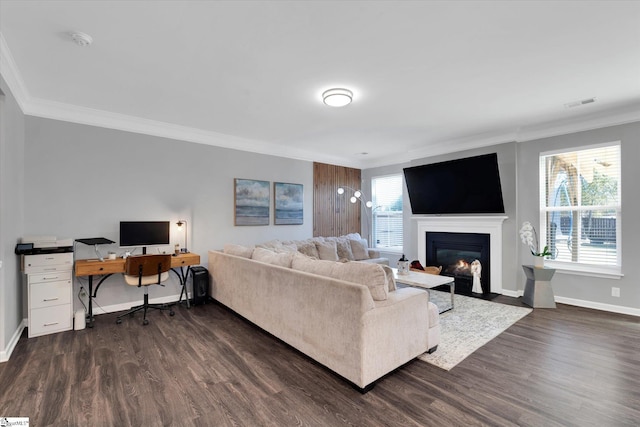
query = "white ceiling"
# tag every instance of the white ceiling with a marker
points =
(428, 77)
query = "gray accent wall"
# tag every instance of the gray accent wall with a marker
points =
(11, 217)
(586, 289)
(519, 172)
(507, 166)
(81, 181)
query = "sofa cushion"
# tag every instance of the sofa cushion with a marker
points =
(327, 250)
(238, 250)
(391, 280)
(343, 247)
(282, 259)
(359, 248)
(370, 275)
(271, 244)
(308, 248)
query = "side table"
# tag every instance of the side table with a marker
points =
(537, 290)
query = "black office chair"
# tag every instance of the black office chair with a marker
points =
(145, 270)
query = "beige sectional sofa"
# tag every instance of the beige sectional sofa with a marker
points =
(348, 316)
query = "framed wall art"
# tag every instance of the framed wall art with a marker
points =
(251, 202)
(288, 201)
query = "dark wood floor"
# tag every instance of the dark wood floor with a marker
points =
(208, 367)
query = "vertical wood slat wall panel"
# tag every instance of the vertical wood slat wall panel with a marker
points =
(334, 214)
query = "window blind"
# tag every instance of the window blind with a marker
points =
(387, 212)
(580, 205)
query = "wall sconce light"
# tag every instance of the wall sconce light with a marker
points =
(183, 223)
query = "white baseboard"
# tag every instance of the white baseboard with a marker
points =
(97, 310)
(6, 353)
(512, 294)
(599, 306)
(582, 303)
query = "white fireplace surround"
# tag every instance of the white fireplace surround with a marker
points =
(491, 225)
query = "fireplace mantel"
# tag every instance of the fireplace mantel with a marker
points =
(491, 225)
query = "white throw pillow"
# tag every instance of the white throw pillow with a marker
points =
(238, 250)
(282, 259)
(360, 249)
(327, 250)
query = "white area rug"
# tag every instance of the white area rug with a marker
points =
(470, 325)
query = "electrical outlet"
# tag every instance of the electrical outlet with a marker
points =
(83, 293)
(615, 292)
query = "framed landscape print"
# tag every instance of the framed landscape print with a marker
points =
(252, 202)
(288, 200)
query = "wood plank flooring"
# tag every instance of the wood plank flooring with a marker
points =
(206, 366)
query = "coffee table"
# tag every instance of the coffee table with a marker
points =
(425, 280)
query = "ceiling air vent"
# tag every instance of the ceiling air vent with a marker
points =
(579, 103)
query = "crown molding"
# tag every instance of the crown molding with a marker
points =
(106, 119)
(620, 116)
(93, 117)
(593, 121)
(11, 75)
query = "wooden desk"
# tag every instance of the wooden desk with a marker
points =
(95, 267)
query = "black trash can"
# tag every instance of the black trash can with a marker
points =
(200, 276)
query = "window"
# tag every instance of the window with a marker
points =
(386, 195)
(580, 208)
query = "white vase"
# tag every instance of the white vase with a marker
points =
(538, 262)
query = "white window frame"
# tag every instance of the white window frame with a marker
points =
(375, 212)
(581, 268)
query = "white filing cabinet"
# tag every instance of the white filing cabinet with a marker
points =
(50, 290)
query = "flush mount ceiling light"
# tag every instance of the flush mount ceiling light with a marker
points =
(81, 39)
(337, 97)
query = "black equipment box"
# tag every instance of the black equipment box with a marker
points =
(200, 276)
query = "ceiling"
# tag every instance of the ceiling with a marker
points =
(428, 77)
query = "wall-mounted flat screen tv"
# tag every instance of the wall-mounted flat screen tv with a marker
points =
(463, 186)
(144, 233)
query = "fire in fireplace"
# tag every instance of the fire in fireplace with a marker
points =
(456, 252)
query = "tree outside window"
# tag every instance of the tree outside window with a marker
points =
(580, 206)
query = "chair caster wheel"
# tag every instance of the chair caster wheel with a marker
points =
(145, 322)
(118, 321)
(171, 313)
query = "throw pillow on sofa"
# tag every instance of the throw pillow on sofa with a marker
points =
(360, 249)
(370, 275)
(327, 250)
(282, 259)
(238, 250)
(344, 249)
(308, 248)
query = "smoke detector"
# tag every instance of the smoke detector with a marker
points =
(81, 39)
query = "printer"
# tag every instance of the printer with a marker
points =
(33, 245)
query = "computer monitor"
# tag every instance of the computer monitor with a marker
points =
(144, 233)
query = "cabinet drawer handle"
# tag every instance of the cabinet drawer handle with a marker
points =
(50, 324)
(49, 278)
(49, 299)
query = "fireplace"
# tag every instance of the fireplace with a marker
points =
(478, 224)
(456, 252)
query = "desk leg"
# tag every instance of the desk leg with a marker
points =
(182, 277)
(90, 323)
